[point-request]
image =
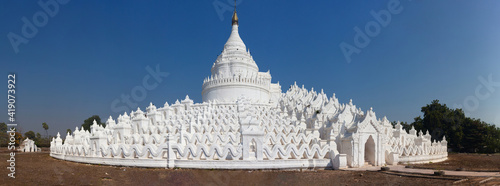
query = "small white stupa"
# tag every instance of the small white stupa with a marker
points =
(28, 145)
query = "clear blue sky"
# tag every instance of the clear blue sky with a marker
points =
(90, 53)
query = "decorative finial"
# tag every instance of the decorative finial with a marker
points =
(235, 16)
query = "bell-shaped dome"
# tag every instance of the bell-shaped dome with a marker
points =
(234, 41)
(235, 73)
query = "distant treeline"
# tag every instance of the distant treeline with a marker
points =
(39, 140)
(463, 134)
(42, 141)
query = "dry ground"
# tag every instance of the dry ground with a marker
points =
(469, 162)
(41, 169)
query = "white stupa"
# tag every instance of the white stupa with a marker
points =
(28, 145)
(235, 73)
(246, 122)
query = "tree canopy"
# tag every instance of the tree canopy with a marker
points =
(89, 121)
(30, 134)
(3, 127)
(463, 134)
(18, 138)
(3, 134)
(46, 128)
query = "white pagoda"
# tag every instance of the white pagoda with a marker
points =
(28, 145)
(246, 122)
(235, 73)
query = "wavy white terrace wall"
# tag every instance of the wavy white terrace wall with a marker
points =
(221, 133)
(304, 128)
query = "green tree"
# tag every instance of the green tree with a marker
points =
(405, 125)
(30, 134)
(68, 131)
(418, 123)
(38, 139)
(492, 138)
(89, 121)
(462, 133)
(46, 128)
(18, 138)
(3, 134)
(3, 127)
(442, 121)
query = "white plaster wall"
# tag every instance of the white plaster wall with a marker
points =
(233, 92)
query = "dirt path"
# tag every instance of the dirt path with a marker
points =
(40, 168)
(401, 168)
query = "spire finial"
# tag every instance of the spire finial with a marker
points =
(235, 16)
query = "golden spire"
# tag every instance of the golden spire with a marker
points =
(235, 16)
